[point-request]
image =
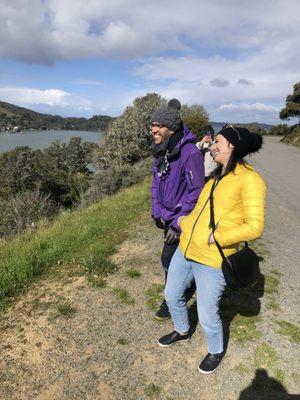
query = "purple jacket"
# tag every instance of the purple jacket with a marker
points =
(177, 192)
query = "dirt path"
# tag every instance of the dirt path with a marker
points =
(279, 164)
(67, 340)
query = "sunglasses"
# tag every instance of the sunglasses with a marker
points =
(233, 128)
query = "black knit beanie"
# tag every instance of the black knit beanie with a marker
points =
(169, 116)
(243, 141)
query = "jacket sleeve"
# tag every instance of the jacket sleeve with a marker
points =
(155, 207)
(253, 197)
(194, 175)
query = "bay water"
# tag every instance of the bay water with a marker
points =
(42, 139)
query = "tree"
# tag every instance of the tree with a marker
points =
(58, 151)
(195, 118)
(76, 156)
(292, 108)
(280, 130)
(128, 140)
(19, 171)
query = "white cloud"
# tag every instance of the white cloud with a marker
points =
(45, 31)
(230, 52)
(266, 76)
(27, 97)
(30, 96)
(249, 107)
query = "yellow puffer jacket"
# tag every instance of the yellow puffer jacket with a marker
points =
(239, 208)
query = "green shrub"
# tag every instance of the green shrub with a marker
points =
(108, 181)
(195, 118)
(128, 139)
(22, 211)
(280, 130)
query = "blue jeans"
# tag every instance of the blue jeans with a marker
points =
(210, 285)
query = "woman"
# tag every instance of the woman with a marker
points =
(239, 208)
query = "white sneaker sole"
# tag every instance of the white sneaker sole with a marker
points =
(209, 372)
(178, 341)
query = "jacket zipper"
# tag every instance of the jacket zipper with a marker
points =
(193, 228)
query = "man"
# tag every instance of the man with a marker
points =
(178, 178)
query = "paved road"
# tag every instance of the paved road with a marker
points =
(279, 164)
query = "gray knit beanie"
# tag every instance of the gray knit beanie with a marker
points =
(169, 116)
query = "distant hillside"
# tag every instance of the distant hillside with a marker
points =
(252, 126)
(11, 116)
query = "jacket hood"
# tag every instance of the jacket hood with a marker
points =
(240, 168)
(188, 137)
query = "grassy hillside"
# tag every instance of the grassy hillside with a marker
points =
(293, 137)
(88, 236)
(11, 115)
(5, 111)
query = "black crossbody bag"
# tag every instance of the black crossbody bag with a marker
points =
(241, 269)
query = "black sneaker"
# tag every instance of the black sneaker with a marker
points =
(172, 338)
(163, 312)
(210, 363)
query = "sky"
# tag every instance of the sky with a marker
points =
(238, 59)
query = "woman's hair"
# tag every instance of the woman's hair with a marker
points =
(234, 159)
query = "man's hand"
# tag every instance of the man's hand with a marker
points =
(159, 223)
(180, 219)
(206, 139)
(171, 237)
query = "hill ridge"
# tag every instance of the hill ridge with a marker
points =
(25, 118)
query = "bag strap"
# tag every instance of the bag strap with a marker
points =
(212, 223)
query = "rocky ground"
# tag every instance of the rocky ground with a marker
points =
(67, 339)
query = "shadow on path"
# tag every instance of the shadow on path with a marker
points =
(245, 302)
(264, 387)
